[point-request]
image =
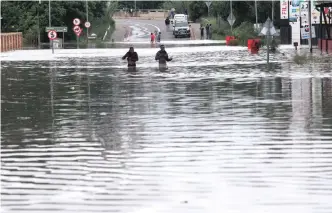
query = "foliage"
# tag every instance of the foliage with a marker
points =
(234, 42)
(23, 16)
(140, 5)
(197, 9)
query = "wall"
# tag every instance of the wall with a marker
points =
(11, 41)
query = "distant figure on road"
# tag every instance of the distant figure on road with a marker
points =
(162, 58)
(153, 37)
(159, 37)
(202, 32)
(167, 22)
(131, 57)
(210, 31)
(207, 31)
(192, 33)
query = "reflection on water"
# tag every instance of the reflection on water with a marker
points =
(192, 140)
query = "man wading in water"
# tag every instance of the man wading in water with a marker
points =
(162, 57)
(132, 57)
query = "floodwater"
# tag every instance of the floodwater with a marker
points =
(218, 132)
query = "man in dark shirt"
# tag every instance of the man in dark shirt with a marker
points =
(132, 57)
(207, 28)
(202, 32)
(162, 57)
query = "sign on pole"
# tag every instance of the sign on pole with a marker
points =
(78, 33)
(231, 19)
(76, 29)
(52, 35)
(87, 24)
(283, 9)
(76, 21)
(208, 4)
(57, 29)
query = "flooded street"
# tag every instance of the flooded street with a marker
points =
(218, 132)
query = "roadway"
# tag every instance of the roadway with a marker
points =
(140, 30)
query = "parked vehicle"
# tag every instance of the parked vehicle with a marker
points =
(179, 18)
(181, 29)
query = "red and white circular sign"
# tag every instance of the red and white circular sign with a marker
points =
(76, 29)
(52, 34)
(76, 21)
(87, 24)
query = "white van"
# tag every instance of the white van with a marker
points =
(180, 18)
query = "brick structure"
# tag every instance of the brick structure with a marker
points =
(11, 41)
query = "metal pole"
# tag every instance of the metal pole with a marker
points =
(268, 44)
(63, 40)
(49, 13)
(38, 29)
(310, 26)
(256, 12)
(231, 15)
(272, 10)
(77, 42)
(87, 19)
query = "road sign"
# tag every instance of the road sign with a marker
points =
(76, 29)
(57, 29)
(87, 24)
(208, 3)
(52, 35)
(231, 19)
(78, 33)
(268, 28)
(76, 21)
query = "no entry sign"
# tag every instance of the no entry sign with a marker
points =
(52, 35)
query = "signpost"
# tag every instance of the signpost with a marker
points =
(208, 4)
(52, 35)
(62, 30)
(76, 21)
(87, 26)
(231, 20)
(77, 29)
(268, 30)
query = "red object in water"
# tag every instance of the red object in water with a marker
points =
(254, 46)
(250, 41)
(229, 38)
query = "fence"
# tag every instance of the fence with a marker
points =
(11, 41)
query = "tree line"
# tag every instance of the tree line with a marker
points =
(27, 16)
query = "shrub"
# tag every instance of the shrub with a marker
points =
(234, 42)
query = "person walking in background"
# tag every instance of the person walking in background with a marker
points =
(210, 31)
(153, 37)
(202, 31)
(192, 33)
(159, 37)
(207, 31)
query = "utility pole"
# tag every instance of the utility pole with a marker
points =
(272, 11)
(310, 26)
(256, 12)
(231, 14)
(38, 29)
(87, 19)
(49, 13)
